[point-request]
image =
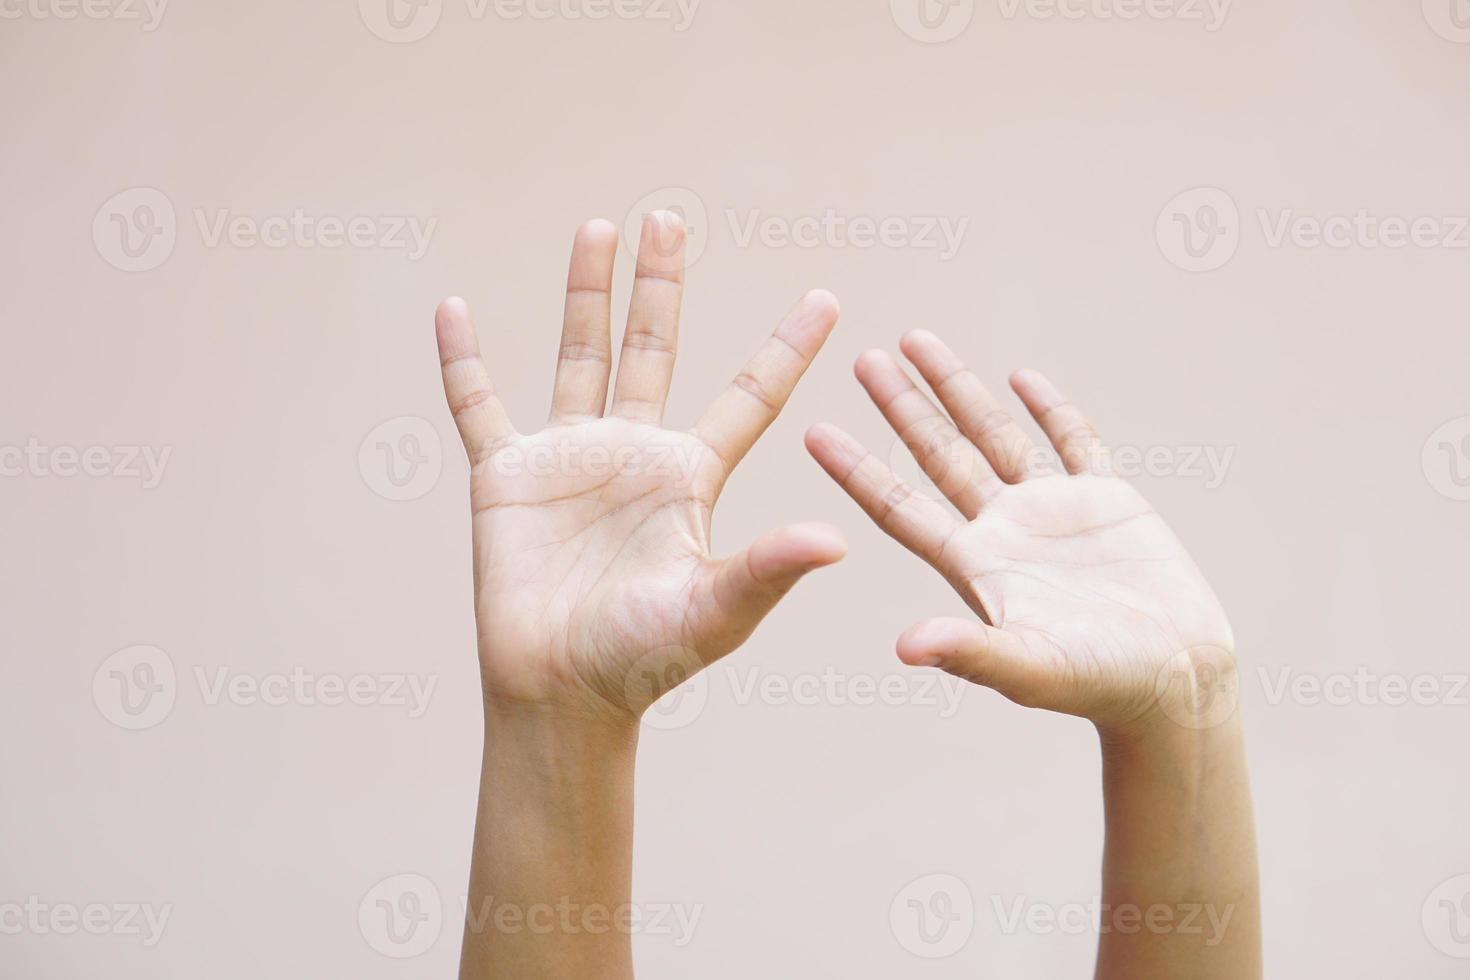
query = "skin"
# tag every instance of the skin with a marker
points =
(595, 592)
(1085, 603)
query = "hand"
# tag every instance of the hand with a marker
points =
(1089, 603)
(594, 585)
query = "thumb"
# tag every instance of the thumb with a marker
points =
(979, 653)
(748, 585)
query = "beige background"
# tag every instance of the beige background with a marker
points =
(1335, 538)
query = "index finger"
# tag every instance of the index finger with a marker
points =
(751, 402)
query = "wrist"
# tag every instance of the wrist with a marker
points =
(554, 833)
(1193, 701)
(556, 742)
(1159, 744)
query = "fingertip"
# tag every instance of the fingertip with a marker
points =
(827, 442)
(822, 301)
(597, 231)
(926, 643)
(1025, 378)
(870, 361)
(912, 647)
(810, 322)
(787, 554)
(451, 308)
(817, 435)
(668, 220)
(453, 329)
(915, 339)
(821, 543)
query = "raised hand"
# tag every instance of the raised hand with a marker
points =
(595, 588)
(1087, 602)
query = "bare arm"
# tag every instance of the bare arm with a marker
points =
(1085, 603)
(596, 593)
(551, 876)
(1180, 893)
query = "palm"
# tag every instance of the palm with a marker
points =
(594, 581)
(1087, 596)
(1091, 579)
(586, 566)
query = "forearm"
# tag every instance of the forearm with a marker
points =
(1180, 886)
(551, 876)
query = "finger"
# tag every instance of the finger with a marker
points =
(981, 654)
(585, 358)
(974, 409)
(748, 585)
(919, 524)
(747, 407)
(1071, 434)
(481, 418)
(646, 364)
(948, 458)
